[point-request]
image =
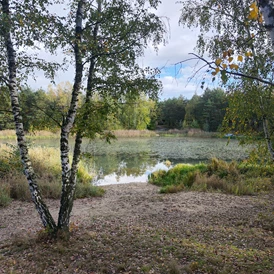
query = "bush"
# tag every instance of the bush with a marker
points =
(218, 175)
(179, 174)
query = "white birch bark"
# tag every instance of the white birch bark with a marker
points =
(68, 182)
(41, 207)
(267, 10)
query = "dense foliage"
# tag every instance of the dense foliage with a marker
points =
(43, 110)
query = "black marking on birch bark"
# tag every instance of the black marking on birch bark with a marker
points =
(41, 207)
(68, 174)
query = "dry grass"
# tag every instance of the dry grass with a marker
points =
(218, 176)
(10, 134)
(47, 167)
(133, 133)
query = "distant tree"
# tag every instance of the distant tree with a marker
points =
(206, 111)
(173, 112)
(192, 112)
(213, 107)
(135, 113)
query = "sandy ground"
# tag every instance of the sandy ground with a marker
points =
(134, 200)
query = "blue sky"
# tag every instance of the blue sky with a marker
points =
(175, 78)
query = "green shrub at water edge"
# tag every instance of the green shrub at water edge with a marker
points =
(181, 173)
(219, 176)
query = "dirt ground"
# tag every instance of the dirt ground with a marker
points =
(138, 200)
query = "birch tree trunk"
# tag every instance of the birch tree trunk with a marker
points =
(41, 207)
(267, 10)
(68, 173)
(79, 135)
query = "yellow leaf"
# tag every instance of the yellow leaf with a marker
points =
(217, 70)
(234, 66)
(252, 15)
(225, 54)
(254, 7)
(248, 54)
(218, 62)
(224, 66)
(230, 52)
(240, 58)
(254, 11)
(230, 59)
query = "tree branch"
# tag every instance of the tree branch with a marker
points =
(210, 65)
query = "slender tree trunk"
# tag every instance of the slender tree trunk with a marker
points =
(68, 174)
(41, 207)
(268, 139)
(79, 135)
(267, 10)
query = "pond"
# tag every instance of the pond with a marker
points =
(132, 159)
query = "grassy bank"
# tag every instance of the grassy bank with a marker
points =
(219, 176)
(42, 134)
(46, 163)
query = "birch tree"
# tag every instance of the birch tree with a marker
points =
(19, 31)
(104, 40)
(112, 35)
(239, 53)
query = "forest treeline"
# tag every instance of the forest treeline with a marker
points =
(45, 109)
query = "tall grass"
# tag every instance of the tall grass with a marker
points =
(219, 176)
(122, 133)
(46, 163)
(39, 134)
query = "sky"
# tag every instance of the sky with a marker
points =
(175, 78)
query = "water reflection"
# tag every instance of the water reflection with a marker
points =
(132, 160)
(126, 177)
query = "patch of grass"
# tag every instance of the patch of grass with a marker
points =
(5, 198)
(88, 190)
(46, 163)
(218, 176)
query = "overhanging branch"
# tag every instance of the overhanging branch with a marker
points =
(211, 65)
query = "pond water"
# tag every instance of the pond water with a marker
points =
(133, 159)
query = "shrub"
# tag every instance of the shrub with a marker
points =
(172, 188)
(179, 174)
(222, 168)
(218, 175)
